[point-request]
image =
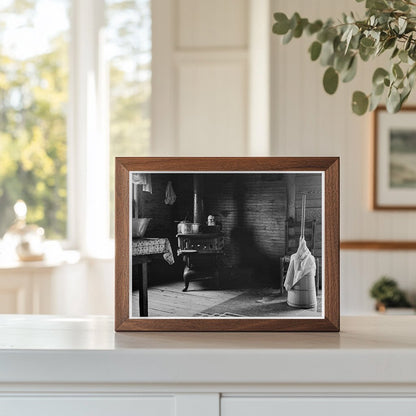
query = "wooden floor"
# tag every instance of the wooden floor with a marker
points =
(202, 297)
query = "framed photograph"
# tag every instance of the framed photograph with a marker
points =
(394, 159)
(227, 244)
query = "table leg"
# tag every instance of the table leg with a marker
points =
(143, 292)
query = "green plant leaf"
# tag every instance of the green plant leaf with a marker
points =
(376, 4)
(374, 102)
(327, 53)
(389, 43)
(365, 52)
(379, 75)
(288, 37)
(359, 103)
(294, 20)
(393, 101)
(403, 56)
(408, 42)
(404, 96)
(330, 80)
(397, 71)
(402, 22)
(367, 42)
(315, 50)
(341, 61)
(298, 30)
(378, 89)
(314, 27)
(351, 71)
(281, 27)
(395, 52)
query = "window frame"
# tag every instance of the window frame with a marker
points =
(87, 133)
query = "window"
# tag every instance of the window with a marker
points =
(33, 103)
(75, 88)
(129, 45)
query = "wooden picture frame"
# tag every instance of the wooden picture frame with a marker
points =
(263, 167)
(391, 190)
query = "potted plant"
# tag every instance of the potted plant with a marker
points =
(387, 294)
(389, 27)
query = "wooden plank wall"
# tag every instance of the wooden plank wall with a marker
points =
(252, 209)
(311, 186)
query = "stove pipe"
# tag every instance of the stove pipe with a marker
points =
(198, 201)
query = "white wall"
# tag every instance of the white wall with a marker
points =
(205, 73)
(200, 77)
(308, 122)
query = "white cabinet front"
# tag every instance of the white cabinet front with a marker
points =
(87, 406)
(274, 406)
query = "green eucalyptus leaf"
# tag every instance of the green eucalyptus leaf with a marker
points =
(374, 102)
(402, 22)
(411, 78)
(327, 53)
(355, 41)
(378, 89)
(366, 53)
(359, 103)
(315, 50)
(408, 42)
(400, 5)
(395, 52)
(393, 101)
(314, 27)
(288, 37)
(330, 80)
(412, 52)
(376, 4)
(403, 56)
(301, 25)
(389, 43)
(294, 20)
(351, 70)
(341, 61)
(404, 96)
(367, 42)
(397, 71)
(322, 35)
(379, 75)
(281, 27)
(412, 70)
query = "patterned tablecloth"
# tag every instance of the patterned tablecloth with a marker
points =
(147, 246)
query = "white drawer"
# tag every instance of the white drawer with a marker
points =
(87, 406)
(274, 406)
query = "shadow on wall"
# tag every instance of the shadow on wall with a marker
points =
(255, 267)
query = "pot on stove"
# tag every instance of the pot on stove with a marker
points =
(185, 227)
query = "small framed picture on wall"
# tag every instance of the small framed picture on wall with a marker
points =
(394, 159)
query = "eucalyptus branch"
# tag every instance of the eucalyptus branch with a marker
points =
(389, 25)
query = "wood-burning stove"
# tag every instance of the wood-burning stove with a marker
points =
(201, 253)
(200, 250)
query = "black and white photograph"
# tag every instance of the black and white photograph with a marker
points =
(226, 244)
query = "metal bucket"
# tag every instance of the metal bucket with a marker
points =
(303, 293)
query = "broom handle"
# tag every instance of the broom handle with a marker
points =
(302, 221)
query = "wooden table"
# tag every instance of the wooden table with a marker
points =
(142, 251)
